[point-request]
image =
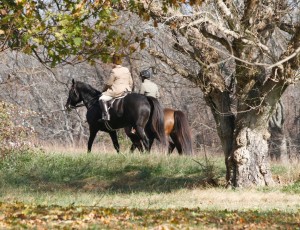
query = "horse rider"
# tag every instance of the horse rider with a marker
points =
(148, 87)
(119, 82)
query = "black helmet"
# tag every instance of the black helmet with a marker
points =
(145, 74)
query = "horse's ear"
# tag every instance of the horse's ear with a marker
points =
(73, 82)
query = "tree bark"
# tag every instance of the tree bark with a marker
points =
(219, 102)
(250, 156)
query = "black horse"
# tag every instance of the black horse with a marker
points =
(133, 110)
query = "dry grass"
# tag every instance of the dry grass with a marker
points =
(207, 199)
(286, 172)
(79, 148)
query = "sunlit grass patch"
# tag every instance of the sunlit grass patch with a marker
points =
(143, 181)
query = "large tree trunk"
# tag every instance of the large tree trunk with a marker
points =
(250, 151)
(219, 103)
(250, 159)
(244, 140)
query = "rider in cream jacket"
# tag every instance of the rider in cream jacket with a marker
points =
(119, 82)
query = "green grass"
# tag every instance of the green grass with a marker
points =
(137, 181)
(115, 172)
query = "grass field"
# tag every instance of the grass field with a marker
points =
(56, 189)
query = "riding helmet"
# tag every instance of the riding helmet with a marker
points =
(145, 74)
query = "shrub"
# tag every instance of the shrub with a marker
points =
(15, 131)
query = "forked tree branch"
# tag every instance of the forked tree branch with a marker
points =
(227, 32)
(297, 52)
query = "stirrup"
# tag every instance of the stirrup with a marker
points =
(105, 117)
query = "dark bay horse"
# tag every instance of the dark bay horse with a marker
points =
(176, 127)
(133, 110)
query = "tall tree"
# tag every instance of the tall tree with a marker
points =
(258, 42)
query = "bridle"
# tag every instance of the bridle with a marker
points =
(88, 103)
(76, 106)
(81, 105)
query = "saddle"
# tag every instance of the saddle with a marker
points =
(116, 105)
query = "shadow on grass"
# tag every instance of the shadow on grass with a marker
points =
(81, 174)
(138, 179)
(159, 184)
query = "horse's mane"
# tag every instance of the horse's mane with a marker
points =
(88, 88)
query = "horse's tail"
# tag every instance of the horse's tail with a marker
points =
(182, 131)
(156, 121)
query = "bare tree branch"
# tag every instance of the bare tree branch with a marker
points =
(297, 51)
(227, 32)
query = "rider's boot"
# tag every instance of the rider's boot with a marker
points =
(105, 114)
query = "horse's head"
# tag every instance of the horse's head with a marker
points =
(74, 96)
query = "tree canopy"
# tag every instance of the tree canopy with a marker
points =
(61, 31)
(68, 31)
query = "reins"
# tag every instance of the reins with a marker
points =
(63, 110)
(88, 104)
(76, 106)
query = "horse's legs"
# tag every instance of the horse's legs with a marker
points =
(151, 136)
(132, 148)
(135, 139)
(176, 143)
(114, 138)
(141, 133)
(171, 147)
(93, 133)
(151, 140)
(138, 145)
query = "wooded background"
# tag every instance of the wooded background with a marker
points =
(27, 83)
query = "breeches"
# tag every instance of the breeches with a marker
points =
(105, 98)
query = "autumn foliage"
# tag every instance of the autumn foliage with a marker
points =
(20, 215)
